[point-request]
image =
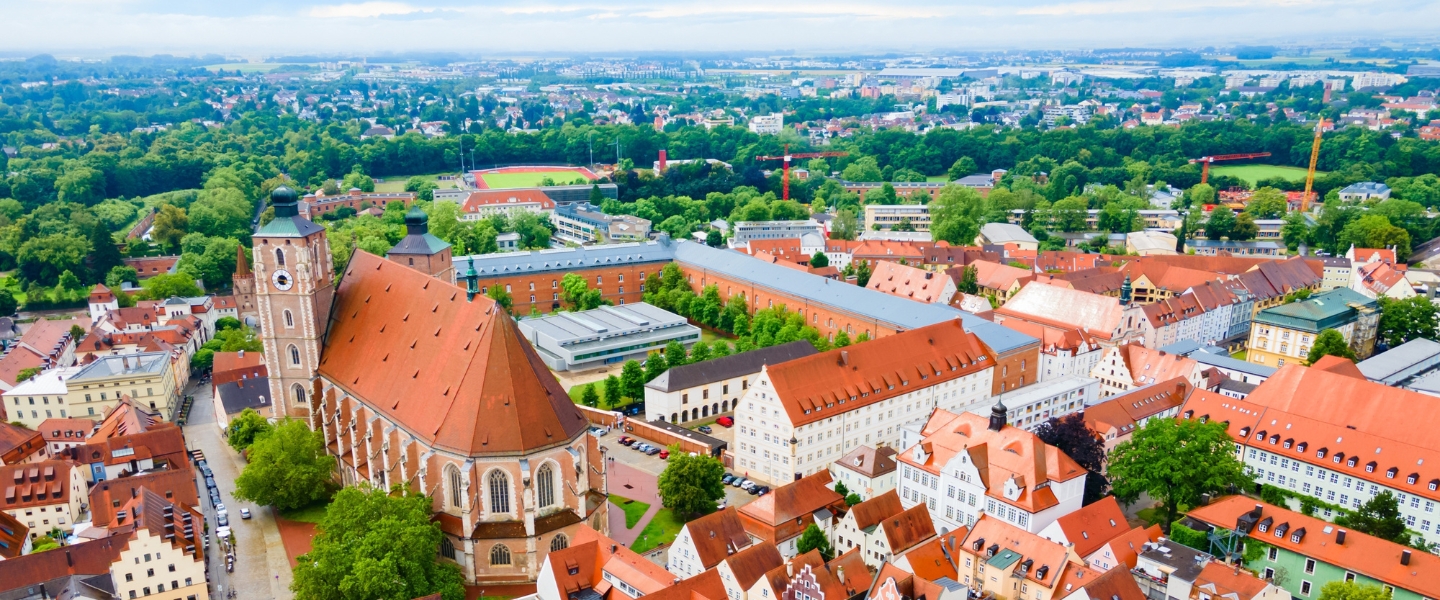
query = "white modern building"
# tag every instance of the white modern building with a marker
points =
(605, 335)
(768, 124)
(1034, 404)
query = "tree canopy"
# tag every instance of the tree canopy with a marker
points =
(1175, 461)
(690, 484)
(288, 468)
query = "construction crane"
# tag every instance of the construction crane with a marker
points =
(1206, 160)
(785, 183)
(1310, 173)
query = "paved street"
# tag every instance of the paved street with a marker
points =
(261, 567)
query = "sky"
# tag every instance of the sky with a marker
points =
(258, 28)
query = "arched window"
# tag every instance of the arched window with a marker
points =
(499, 555)
(457, 495)
(294, 356)
(447, 549)
(279, 257)
(499, 493)
(559, 542)
(299, 391)
(289, 319)
(545, 485)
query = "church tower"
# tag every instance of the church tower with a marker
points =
(421, 250)
(294, 288)
(244, 286)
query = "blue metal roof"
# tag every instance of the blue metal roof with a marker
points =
(877, 306)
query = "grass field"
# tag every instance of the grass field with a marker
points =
(397, 183)
(523, 180)
(1254, 173)
(576, 392)
(663, 528)
(309, 514)
(634, 509)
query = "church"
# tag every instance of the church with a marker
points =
(417, 382)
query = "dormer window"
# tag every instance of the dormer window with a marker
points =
(1353, 461)
(1434, 484)
(1369, 467)
(1260, 435)
(1339, 456)
(1321, 452)
(1288, 443)
(1244, 431)
(1301, 447)
(1414, 477)
(1274, 439)
(1391, 472)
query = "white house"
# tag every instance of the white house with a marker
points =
(866, 471)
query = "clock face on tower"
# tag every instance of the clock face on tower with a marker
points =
(282, 280)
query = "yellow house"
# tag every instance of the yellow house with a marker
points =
(148, 378)
(1283, 334)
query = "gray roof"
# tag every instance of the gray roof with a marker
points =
(1193, 350)
(1235, 385)
(424, 244)
(1001, 233)
(121, 364)
(729, 367)
(246, 393)
(561, 260)
(1364, 187)
(690, 434)
(1400, 358)
(1231, 244)
(629, 321)
(875, 306)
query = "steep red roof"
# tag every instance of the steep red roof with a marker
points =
(176, 484)
(12, 536)
(1011, 452)
(1092, 526)
(454, 373)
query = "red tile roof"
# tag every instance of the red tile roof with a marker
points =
(772, 517)
(234, 366)
(176, 485)
(17, 443)
(489, 198)
(1149, 366)
(1050, 560)
(35, 484)
(998, 455)
(910, 283)
(1123, 413)
(1229, 581)
(717, 535)
(820, 385)
(12, 536)
(456, 374)
(85, 558)
(1361, 553)
(1089, 528)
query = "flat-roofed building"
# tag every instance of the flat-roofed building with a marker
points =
(1001, 234)
(605, 335)
(711, 387)
(586, 224)
(892, 216)
(1402, 364)
(1035, 404)
(744, 232)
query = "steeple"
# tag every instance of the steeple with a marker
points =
(998, 416)
(242, 263)
(1125, 291)
(422, 251)
(472, 281)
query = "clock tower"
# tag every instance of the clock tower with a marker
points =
(294, 288)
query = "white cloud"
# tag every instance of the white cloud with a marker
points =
(363, 10)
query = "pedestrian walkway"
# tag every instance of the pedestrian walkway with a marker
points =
(635, 484)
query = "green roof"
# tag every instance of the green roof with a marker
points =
(1004, 559)
(1329, 310)
(295, 226)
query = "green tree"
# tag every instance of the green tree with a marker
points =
(68, 281)
(1175, 461)
(28, 373)
(841, 489)
(1221, 223)
(1267, 203)
(814, 539)
(576, 292)
(714, 239)
(246, 428)
(357, 180)
(1375, 231)
(852, 499)
(374, 545)
(424, 188)
(970, 280)
(81, 185)
(171, 224)
(819, 259)
(613, 391)
(842, 339)
(1200, 195)
(44, 258)
(1245, 228)
(632, 380)
(1380, 516)
(865, 169)
(168, 285)
(104, 254)
(699, 352)
(963, 167)
(1069, 214)
(655, 365)
(227, 323)
(1329, 343)
(202, 360)
(500, 296)
(8, 304)
(220, 213)
(1408, 319)
(675, 354)
(690, 484)
(846, 225)
(955, 215)
(288, 468)
(589, 397)
(1350, 590)
(117, 276)
(1295, 231)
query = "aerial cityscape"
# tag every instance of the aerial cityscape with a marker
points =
(910, 301)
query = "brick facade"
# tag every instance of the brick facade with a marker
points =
(621, 284)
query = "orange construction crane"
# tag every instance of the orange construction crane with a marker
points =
(1310, 174)
(785, 184)
(1206, 160)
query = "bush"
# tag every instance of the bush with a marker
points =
(1189, 537)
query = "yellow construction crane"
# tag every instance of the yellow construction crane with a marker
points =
(1310, 174)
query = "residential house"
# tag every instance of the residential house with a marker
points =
(1063, 352)
(40, 398)
(46, 344)
(1166, 569)
(892, 216)
(1216, 358)
(703, 543)
(912, 283)
(601, 568)
(843, 578)
(867, 471)
(1219, 581)
(1313, 552)
(1088, 530)
(44, 495)
(1007, 562)
(1285, 333)
(147, 377)
(740, 571)
(882, 530)
(481, 204)
(1365, 190)
(804, 414)
(1001, 234)
(1381, 279)
(1061, 310)
(20, 445)
(780, 516)
(176, 484)
(1115, 419)
(963, 467)
(1132, 366)
(1001, 281)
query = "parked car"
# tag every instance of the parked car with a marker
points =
(739, 482)
(705, 429)
(755, 491)
(641, 446)
(245, 514)
(653, 451)
(664, 454)
(764, 489)
(721, 504)
(222, 519)
(204, 470)
(210, 482)
(727, 479)
(626, 440)
(725, 421)
(749, 485)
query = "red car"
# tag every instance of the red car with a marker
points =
(725, 421)
(664, 454)
(625, 440)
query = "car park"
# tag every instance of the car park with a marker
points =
(727, 479)
(652, 451)
(739, 482)
(245, 514)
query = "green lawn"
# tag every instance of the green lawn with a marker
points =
(711, 337)
(308, 514)
(938, 179)
(397, 183)
(576, 391)
(1241, 355)
(634, 509)
(524, 180)
(1254, 173)
(13, 284)
(663, 528)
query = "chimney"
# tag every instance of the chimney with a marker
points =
(1405, 557)
(1340, 538)
(844, 357)
(789, 569)
(70, 560)
(242, 354)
